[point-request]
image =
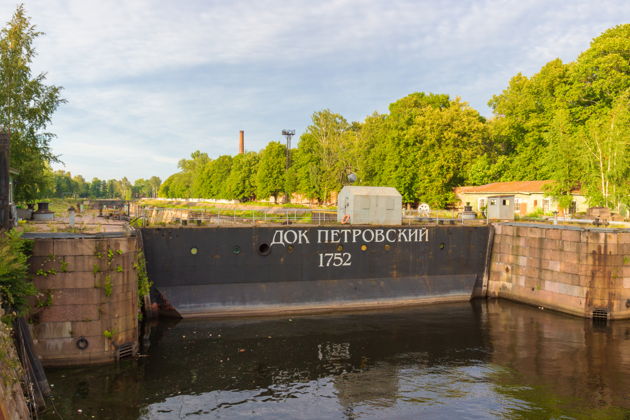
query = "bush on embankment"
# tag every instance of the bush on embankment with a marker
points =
(15, 286)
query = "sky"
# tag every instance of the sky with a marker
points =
(149, 82)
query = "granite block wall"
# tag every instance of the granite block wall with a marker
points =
(569, 269)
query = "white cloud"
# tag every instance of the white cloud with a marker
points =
(148, 82)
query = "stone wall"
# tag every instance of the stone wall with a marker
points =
(569, 269)
(88, 295)
(12, 402)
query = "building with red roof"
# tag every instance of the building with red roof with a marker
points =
(529, 196)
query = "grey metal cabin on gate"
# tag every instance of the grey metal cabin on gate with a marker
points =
(369, 205)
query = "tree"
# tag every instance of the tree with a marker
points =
(26, 106)
(210, 183)
(270, 176)
(241, 183)
(424, 147)
(569, 123)
(176, 186)
(154, 183)
(324, 155)
(96, 188)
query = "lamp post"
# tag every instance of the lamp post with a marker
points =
(288, 134)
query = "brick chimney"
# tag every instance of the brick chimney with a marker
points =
(241, 142)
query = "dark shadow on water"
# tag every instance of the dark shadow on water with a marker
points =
(476, 360)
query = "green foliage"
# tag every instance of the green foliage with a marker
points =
(325, 156)
(241, 182)
(270, 176)
(144, 284)
(210, 180)
(64, 185)
(108, 334)
(15, 285)
(424, 147)
(26, 107)
(107, 285)
(568, 122)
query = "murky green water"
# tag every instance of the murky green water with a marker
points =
(475, 360)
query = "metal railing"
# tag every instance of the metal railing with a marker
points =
(145, 216)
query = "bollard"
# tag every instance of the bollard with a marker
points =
(71, 212)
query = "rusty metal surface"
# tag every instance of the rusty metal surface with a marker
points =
(212, 270)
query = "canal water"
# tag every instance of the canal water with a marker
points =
(483, 359)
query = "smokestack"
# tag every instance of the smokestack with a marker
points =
(241, 142)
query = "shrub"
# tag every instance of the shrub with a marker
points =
(15, 285)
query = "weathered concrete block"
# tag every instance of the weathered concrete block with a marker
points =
(571, 235)
(553, 233)
(534, 232)
(533, 262)
(570, 257)
(570, 267)
(77, 296)
(551, 265)
(69, 313)
(73, 247)
(65, 281)
(535, 252)
(52, 330)
(43, 247)
(87, 328)
(551, 244)
(547, 275)
(552, 254)
(534, 242)
(507, 230)
(570, 246)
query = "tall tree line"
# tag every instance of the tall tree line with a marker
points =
(63, 185)
(568, 122)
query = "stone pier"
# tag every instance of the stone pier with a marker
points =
(87, 311)
(580, 271)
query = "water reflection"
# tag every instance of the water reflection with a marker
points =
(473, 360)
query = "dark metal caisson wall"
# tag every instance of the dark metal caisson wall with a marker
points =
(238, 270)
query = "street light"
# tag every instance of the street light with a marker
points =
(288, 134)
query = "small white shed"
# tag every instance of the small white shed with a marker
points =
(369, 205)
(501, 207)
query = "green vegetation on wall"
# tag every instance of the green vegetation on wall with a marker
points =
(15, 284)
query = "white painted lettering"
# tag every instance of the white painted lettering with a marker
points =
(380, 236)
(365, 237)
(277, 238)
(402, 235)
(393, 238)
(293, 234)
(334, 236)
(355, 234)
(322, 233)
(303, 237)
(413, 235)
(424, 233)
(345, 232)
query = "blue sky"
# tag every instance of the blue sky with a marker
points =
(149, 82)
